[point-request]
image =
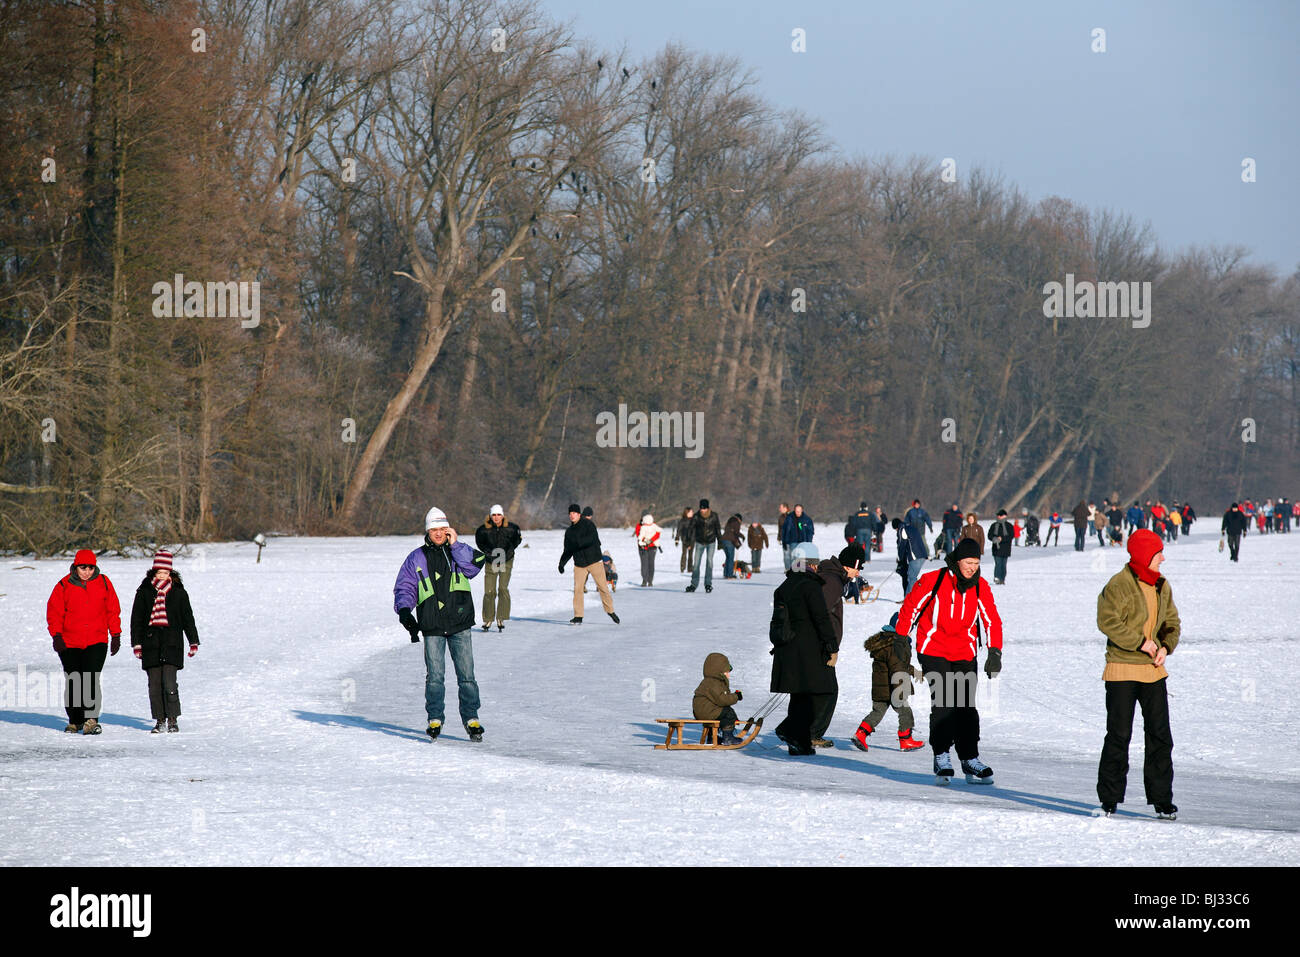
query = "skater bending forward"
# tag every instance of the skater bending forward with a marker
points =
(953, 613)
(1136, 613)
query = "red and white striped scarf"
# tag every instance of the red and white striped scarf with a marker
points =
(159, 617)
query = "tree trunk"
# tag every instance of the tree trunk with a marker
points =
(435, 331)
(1164, 464)
(1007, 456)
(1042, 469)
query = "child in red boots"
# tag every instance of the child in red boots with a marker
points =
(891, 685)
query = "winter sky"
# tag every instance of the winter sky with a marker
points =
(1157, 126)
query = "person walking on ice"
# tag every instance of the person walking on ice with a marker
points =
(1136, 613)
(161, 621)
(951, 615)
(82, 614)
(582, 544)
(432, 597)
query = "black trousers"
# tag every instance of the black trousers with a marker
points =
(727, 719)
(1080, 536)
(81, 668)
(164, 695)
(1052, 530)
(797, 726)
(953, 717)
(1234, 543)
(1158, 764)
(823, 710)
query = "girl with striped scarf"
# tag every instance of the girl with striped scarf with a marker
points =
(161, 620)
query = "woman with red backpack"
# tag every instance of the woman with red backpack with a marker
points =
(952, 617)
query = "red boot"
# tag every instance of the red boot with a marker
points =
(908, 743)
(860, 736)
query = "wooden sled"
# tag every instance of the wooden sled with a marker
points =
(708, 735)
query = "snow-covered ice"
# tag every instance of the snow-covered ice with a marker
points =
(302, 735)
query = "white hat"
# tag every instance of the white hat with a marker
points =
(496, 510)
(435, 518)
(647, 519)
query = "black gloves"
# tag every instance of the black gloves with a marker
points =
(58, 643)
(115, 645)
(739, 696)
(561, 568)
(993, 664)
(409, 623)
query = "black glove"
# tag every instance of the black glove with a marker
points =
(993, 664)
(115, 645)
(561, 568)
(58, 643)
(409, 623)
(739, 696)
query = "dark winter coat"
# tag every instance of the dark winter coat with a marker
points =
(162, 645)
(757, 537)
(891, 663)
(732, 534)
(799, 667)
(953, 519)
(1080, 515)
(706, 529)
(858, 528)
(1234, 522)
(581, 543)
(685, 531)
(714, 692)
(797, 529)
(911, 544)
(834, 578)
(502, 540)
(918, 518)
(1000, 534)
(434, 582)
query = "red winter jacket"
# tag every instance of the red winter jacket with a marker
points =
(85, 613)
(947, 628)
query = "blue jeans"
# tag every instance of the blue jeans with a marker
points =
(729, 569)
(914, 569)
(703, 556)
(1000, 567)
(435, 666)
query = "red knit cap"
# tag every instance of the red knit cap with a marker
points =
(162, 559)
(1144, 545)
(84, 557)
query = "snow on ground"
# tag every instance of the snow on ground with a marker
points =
(302, 741)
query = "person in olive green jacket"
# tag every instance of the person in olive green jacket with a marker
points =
(1136, 613)
(714, 697)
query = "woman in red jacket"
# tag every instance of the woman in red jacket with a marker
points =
(82, 613)
(952, 616)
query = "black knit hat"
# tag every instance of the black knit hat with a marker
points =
(574, 507)
(966, 548)
(853, 556)
(704, 503)
(587, 512)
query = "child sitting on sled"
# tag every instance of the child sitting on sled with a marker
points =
(743, 569)
(714, 697)
(611, 573)
(891, 685)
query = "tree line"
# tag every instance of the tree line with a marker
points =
(472, 233)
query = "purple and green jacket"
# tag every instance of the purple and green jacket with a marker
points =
(434, 583)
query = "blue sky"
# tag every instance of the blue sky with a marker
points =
(1155, 127)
